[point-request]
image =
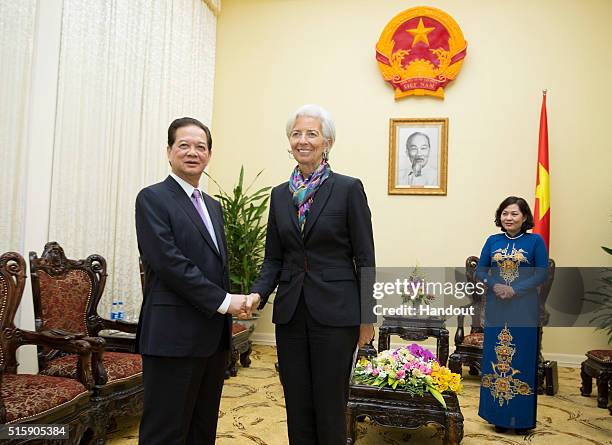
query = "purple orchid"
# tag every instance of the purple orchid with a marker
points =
(419, 351)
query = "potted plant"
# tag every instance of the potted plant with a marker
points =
(245, 233)
(603, 298)
(245, 230)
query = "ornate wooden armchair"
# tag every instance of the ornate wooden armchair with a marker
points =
(468, 348)
(35, 398)
(66, 295)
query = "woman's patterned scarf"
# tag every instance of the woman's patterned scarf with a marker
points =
(303, 190)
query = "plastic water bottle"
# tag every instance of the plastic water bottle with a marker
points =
(114, 311)
(120, 313)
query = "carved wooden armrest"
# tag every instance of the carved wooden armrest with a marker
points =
(55, 339)
(115, 325)
(97, 344)
(121, 325)
(67, 335)
(61, 341)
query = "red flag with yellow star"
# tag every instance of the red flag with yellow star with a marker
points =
(541, 214)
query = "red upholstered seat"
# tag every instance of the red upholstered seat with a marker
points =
(476, 340)
(119, 365)
(601, 355)
(27, 395)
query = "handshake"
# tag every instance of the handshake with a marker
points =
(242, 305)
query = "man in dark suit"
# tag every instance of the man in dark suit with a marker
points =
(184, 329)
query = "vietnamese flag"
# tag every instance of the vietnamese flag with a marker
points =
(541, 214)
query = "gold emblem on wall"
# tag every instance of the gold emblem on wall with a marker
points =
(420, 51)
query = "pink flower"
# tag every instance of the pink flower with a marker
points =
(374, 372)
(400, 374)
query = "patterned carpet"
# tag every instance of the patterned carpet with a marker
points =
(252, 412)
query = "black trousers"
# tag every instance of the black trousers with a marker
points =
(181, 398)
(315, 363)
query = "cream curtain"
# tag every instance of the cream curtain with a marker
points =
(17, 20)
(127, 69)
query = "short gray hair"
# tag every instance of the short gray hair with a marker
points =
(318, 112)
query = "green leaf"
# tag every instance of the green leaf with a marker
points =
(245, 230)
(437, 395)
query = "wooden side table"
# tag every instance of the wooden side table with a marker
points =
(598, 366)
(397, 408)
(241, 350)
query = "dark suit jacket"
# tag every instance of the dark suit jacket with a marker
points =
(326, 262)
(186, 278)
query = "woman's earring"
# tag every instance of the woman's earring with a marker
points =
(290, 154)
(326, 155)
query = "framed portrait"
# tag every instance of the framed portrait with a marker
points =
(418, 156)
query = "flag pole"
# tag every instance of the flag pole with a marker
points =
(542, 201)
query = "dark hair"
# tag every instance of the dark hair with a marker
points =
(185, 122)
(523, 207)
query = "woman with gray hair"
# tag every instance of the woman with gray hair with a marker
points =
(319, 242)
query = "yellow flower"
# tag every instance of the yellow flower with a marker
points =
(455, 387)
(363, 362)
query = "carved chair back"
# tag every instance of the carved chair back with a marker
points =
(544, 290)
(66, 292)
(478, 300)
(12, 282)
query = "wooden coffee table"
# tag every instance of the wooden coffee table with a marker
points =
(397, 408)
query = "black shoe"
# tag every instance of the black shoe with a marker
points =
(500, 429)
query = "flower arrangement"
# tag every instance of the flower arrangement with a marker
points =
(412, 368)
(417, 286)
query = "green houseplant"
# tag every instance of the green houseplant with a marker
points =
(244, 230)
(604, 299)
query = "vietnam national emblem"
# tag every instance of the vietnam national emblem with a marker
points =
(420, 51)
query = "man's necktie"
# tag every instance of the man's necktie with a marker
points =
(199, 205)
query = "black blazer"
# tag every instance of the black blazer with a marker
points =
(326, 262)
(186, 278)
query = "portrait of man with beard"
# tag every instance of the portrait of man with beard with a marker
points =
(419, 171)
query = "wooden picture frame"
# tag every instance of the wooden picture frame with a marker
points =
(418, 156)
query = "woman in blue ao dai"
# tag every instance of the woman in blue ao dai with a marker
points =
(512, 264)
